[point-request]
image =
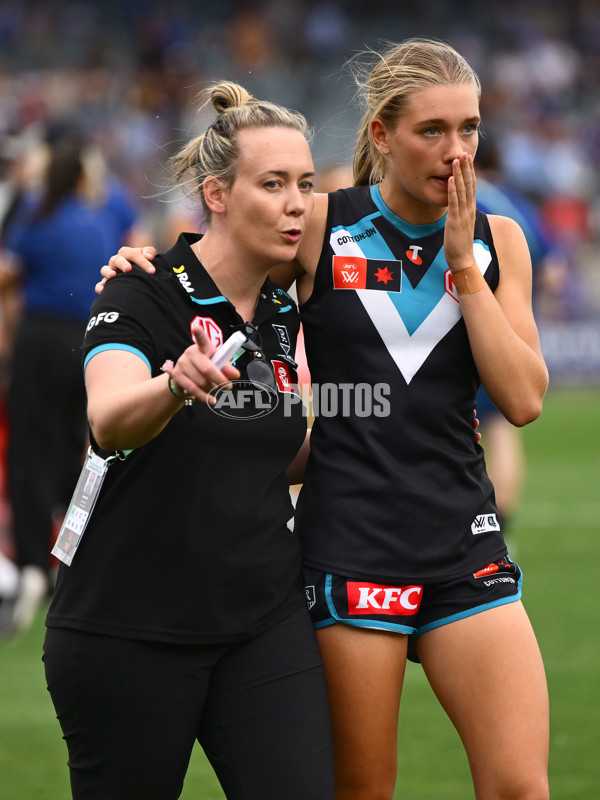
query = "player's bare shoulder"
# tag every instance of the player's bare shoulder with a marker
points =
(511, 247)
(505, 231)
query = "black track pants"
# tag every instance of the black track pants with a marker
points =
(131, 711)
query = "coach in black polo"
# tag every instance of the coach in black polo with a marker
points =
(241, 522)
(188, 551)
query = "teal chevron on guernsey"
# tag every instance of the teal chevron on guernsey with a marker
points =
(413, 321)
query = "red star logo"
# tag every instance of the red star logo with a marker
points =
(384, 275)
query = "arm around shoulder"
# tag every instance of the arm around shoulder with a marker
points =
(123, 260)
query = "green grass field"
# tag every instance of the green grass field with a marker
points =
(556, 533)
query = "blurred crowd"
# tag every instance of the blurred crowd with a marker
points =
(131, 72)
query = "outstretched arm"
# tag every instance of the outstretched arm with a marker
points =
(127, 407)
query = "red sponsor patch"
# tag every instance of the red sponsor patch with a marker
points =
(349, 272)
(357, 272)
(491, 569)
(283, 376)
(375, 598)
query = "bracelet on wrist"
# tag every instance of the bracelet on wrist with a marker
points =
(469, 280)
(181, 394)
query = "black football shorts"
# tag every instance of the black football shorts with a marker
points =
(410, 608)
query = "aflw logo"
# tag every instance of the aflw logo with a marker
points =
(358, 272)
(484, 523)
(375, 598)
(350, 277)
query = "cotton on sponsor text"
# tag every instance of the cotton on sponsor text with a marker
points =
(358, 237)
(502, 579)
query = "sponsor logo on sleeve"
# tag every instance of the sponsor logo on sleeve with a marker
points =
(104, 316)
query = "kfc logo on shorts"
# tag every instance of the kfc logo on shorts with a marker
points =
(375, 598)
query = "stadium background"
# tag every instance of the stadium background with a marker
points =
(130, 72)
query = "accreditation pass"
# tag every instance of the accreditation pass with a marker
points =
(81, 506)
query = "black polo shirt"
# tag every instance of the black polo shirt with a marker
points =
(189, 541)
